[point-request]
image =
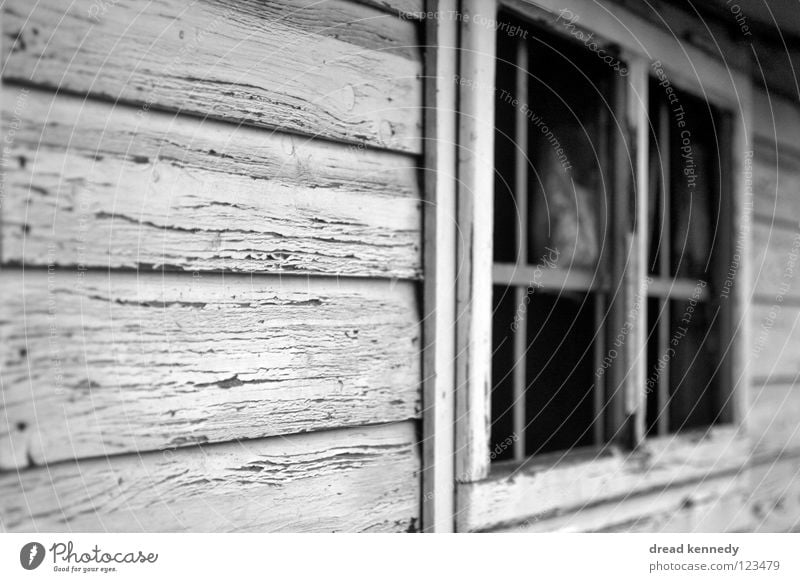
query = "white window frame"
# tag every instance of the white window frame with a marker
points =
(482, 496)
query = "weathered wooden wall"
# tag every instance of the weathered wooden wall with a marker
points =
(211, 253)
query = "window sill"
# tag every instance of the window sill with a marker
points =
(541, 487)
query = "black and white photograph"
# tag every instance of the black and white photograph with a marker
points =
(400, 266)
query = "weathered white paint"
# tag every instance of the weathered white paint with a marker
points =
(708, 506)
(775, 343)
(776, 263)
(711, 504)
(407, 9)
(439, 286)
(636, 293)
(774, 494)
(773, 420)
(106, 363)
(361, 479)
(234, 61)
(776, 120)
(544, 486)
(475, 229)
(776, 185)
(738, 319)
(93, 184)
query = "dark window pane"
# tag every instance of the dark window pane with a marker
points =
(693, 366)
(694, 191)
(655, 366)
(568, 145)
(560, 393)
(506, 214)
(502, 372)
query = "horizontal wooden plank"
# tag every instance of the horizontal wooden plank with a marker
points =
(776, 119)
(105, 363)
(406, 9)
(776, 185)
(775, 343)
(773, 419)
(762, 497)
(776, 262)
(714, 36)
(294, 65)
(543, 487)
(774, 498)
(711, 504)
(91, 184)
(347, 21)
(361, 479)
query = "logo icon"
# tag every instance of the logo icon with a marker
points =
(31, 555)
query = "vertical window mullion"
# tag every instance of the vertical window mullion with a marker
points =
(521, 196)
(615, 388)
(599, 426)
(664, 264)
(600, 303)
(726, 221)
(638, 101)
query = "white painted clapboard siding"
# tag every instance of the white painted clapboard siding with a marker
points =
(106, 188)
(775, 316)
(231, 60)
(361, 479)
(109, 363)
(403, 8)
(776, 185)
(775, 343)
(776, 262)
(774, 494)
(772, 420)
(776, 225)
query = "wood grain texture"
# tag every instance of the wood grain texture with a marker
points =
(475, 224)
(337, 69)
(405, 9)
(439, 291)
(773, 419)
(765, 497)
(541, 489)
(776, 120)
(738, 320)
(635, 346)
(345, 480)
(776, 262)
(775, 343)
(101, 364)
(711, 504)
(100, 187)
(774, 498)
(776, 186)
